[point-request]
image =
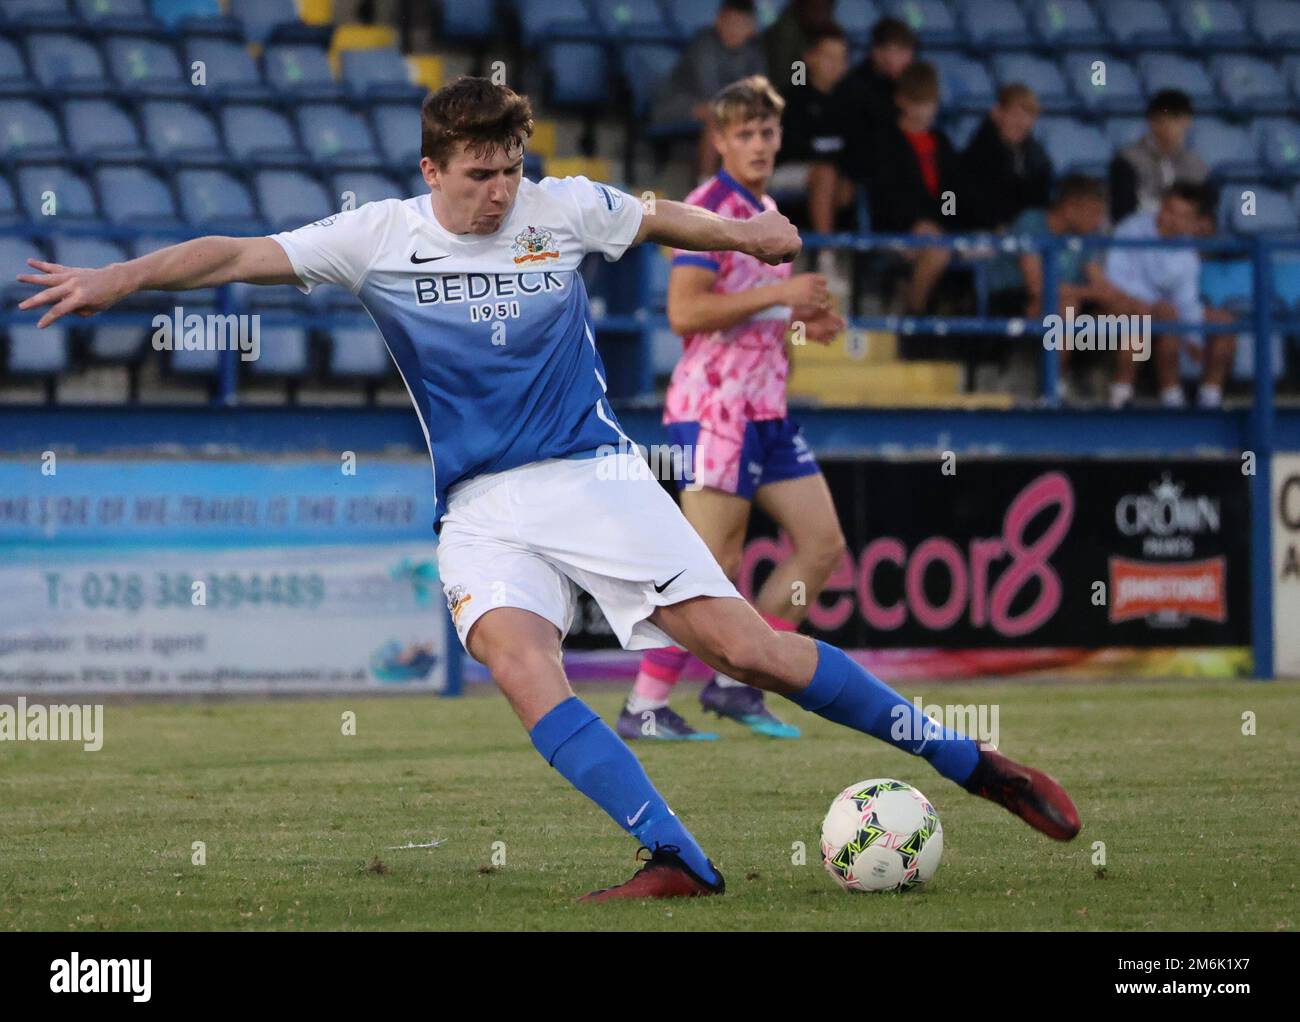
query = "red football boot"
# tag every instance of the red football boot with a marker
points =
(664, 875)
(1031, 794)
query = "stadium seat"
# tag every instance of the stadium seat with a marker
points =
(1225, 282)
(290, 199)
(215, 202)
(645, 65)
(1074, 147)
(1276, 22)
(43, 354)
(15, 79)
(687, 17)
(284, 352)
(10, 213)
(931, 20)
(28, 132)
(84, 251)
(1278, 141)
(1139, 24)
(38, 14)
(64, 64)
(1273, 214)
(378, 74)
(634, 21)
(1249, 84)
(364, 186)
(357, 353)
(336, 137)
(1286, 281)
(118, 16)
(962, 129)
(230, 70)
(1227, 149)
(1067, 23)
(135, 196)
(147, 67)
(1121, 93)
(994, 23)
(269, 21)
(300, 69)
(1213, 24)
(69, 192)
(100, 130)
(857, 19)
(260, 137)
(397, 127)
(1039, 74)
(472, 21)
(1124, 131)
(182, 133)
(1174, 71)
(14, 253)
(964, 83)
(578, 74)
(541, 21)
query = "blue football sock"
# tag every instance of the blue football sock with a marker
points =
(844, 691)
(594, 760)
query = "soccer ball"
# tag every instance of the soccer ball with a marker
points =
(881, 835)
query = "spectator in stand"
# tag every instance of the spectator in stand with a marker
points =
(726, 51)
(1166, 285)
(914, 165)
(1004, 169)
(1141, 173)
(813, 131)
(788, 38)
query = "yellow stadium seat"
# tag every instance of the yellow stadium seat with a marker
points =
(595, 167)
(316, 12)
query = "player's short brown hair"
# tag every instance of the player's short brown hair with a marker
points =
(476, 113)
(919, 82)
(744, 100)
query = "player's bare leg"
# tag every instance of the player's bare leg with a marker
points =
(522, 650)
(805, 511)
(729, 635)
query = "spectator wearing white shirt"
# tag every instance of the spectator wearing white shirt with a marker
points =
(1165, 284)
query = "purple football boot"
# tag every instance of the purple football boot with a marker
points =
(663, 723)
(744, 704)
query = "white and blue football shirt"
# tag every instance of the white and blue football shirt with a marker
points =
(491, 334)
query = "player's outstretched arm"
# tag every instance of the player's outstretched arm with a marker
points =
(202, 262)
(768, 236)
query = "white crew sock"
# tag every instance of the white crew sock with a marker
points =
(1120, 394)
(1173, 397)
(1209, 396)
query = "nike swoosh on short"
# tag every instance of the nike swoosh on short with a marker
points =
(661, 588)
(631, 820)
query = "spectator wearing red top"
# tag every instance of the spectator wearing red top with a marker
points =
(913, 166)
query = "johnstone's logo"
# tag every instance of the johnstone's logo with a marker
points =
(1086, 332)
(535, 245)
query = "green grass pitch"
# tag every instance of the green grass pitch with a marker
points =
(1198, 820)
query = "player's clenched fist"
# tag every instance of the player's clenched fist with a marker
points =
(771, 237)
(808, 289)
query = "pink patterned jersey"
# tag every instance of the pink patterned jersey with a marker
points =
(731, 377)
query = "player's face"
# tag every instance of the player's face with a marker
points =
(473, 194)
(749, 149)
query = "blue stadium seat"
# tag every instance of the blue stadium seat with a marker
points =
(378, 74)
(1039, 74)
(120, 16)
(1227, 149)
(37, 353)
(578, 73)
(111, 343)
(1276, 22)
(1121, 93)
(38, 14)
(335, 136)
(1213, 24)
(472, 21)
(997, 23)
(15, 79)
(1249, 84)
(190, 16)
(230, 70)
(1073, 146)
(634, 20)
(645, 65)
(147, 67)
(364, 186)
(260, 137)
(201, 363)
(1067, 23)
(543, 20)
(10, 213)
(1123, 131)
(1291, 74)
(69, 192)
(290, 199)
(64, 64)
(28, 132)
(397, 127)
(100, 130)
(689, 16)
(1173, 71)
(1139, 24)
(962, 129)
(182, 133)
(301, 69)
(215, 202)
(931, 20)
(284, 351)
(81, 251)
(857, 18)
(358, 352)
(964, 83)
(1274, 213)
(1278, 141)
(14, 253)
(136, 196)
(1286, 280)
(269, 21)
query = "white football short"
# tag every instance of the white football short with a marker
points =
(531, 536)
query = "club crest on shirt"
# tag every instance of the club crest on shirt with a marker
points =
(534, 245)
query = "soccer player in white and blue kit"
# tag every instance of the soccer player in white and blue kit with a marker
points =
(476, 290)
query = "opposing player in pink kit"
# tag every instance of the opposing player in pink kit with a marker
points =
(726, 408)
